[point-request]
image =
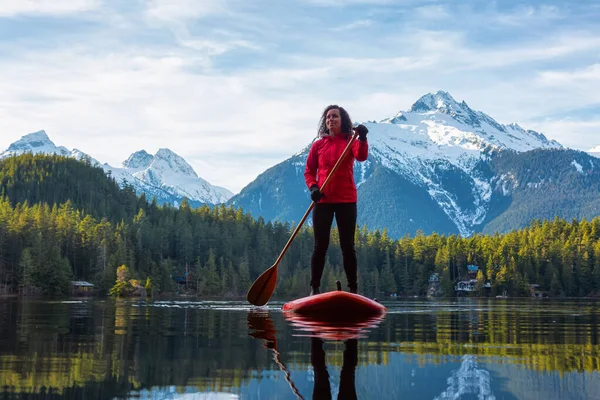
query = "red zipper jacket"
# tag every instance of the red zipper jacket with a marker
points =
(323, 155)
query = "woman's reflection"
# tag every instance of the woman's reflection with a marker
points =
(322, 389)
(261, 326)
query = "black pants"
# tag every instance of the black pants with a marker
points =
(345, 217)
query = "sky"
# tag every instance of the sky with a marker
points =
(237, 86)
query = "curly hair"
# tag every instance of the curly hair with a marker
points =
(346, 121)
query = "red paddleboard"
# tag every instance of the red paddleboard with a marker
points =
(334, 315)
(336, 306)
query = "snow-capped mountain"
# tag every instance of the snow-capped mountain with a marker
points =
(166, 176)
(440, 134)
(36, 142)
(172, 173)
(429, 168)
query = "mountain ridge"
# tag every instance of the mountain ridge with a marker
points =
(165, 175)
(432, 167)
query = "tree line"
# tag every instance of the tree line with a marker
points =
(91, 227)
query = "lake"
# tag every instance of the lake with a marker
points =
(439, 349)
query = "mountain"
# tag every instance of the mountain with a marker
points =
(594, 151)
(173, 174)
(165, 175)
(438, 167)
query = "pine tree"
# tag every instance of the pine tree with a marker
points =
(387, 282)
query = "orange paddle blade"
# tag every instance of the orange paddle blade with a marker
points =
(261, 326)
(262, 289)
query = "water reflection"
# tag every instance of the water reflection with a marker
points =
(322, 389)
(324, 329)
(469, 379)
(197, 349)
(261, 326)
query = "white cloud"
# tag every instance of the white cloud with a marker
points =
(432, 12)
(452, 51)
(112, 106)
(341, 3)
(12, 8)
(587, 75)
(184, 9)
(529, 14)
(576, 134)
(363, 23)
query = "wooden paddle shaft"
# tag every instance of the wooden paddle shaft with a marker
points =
(335, 167)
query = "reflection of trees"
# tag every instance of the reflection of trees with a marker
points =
(106, 349)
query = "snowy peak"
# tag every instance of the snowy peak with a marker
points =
(175, 162)
(36, 142)
(443, 103)
(138, 160)
(440, 102)
(440, 119)
(170, 172)
(396, 119)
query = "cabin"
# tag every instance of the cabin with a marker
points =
(470, 286)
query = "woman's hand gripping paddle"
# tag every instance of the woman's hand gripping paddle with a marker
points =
(262, 289)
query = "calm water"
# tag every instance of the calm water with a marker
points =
(455, 349)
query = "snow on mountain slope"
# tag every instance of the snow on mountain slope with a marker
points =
(439, 133)
(37, 142)
(166, 176)
(172, 173)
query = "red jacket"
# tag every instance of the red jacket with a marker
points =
(323, 155)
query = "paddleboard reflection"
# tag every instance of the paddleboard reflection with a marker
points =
(326, 330)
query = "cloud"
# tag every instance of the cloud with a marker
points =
(112, 106)
(13, 8)
(587, 75)
(354, 25)
(530, 14)
(576, 134)
(170, 10)
(235, 88)
(432, 12)
(343, 3)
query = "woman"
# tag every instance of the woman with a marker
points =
(339, 196)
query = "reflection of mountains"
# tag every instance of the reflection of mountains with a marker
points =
(107, 349)
(469, 379)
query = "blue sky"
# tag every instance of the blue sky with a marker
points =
(235, 86)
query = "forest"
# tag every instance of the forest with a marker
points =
(63, 220)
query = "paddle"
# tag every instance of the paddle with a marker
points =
(263, 287)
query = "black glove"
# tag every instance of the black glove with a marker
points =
(362, 132)
(315, 193)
